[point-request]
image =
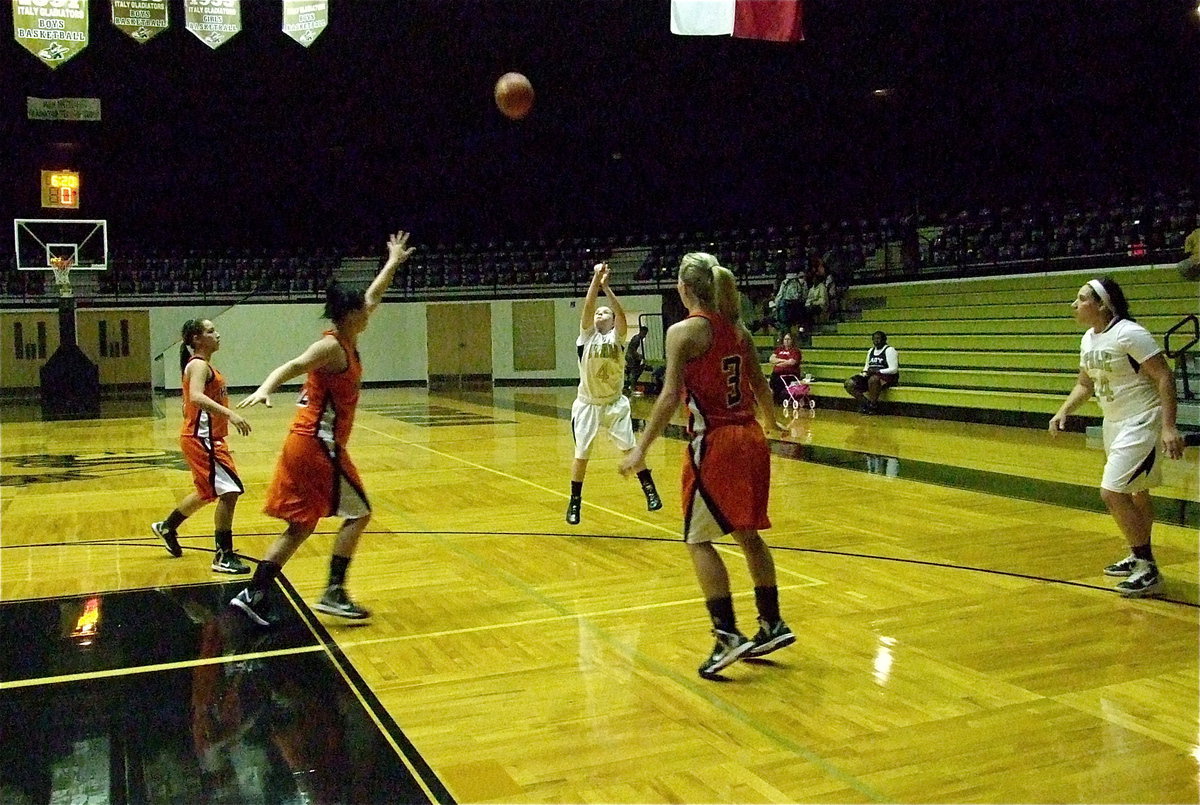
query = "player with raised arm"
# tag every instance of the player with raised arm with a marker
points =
(315, 476)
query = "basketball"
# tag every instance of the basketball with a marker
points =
(514, 95)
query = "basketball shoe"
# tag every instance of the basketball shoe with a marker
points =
(169, 537)
(1143, 582)
(1122, 568)
(229, 562)
(729, 649)
(770, 637)
(337, 602)
(254, 604)
(573, 507)
(653, 501)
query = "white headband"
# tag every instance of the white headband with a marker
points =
(1102, 294)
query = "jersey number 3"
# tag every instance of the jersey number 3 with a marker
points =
(732, 367)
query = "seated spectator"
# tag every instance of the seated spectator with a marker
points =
(635, 357)
(790, 301)
(881, 371)
(816, 301)
(1189, 267)
(785, 360)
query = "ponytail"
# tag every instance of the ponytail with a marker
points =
(726, 296)
(191, 329)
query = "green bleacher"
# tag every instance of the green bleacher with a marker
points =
(1001, 349)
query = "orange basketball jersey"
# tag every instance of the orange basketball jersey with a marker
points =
(328, 401)
(198, 422)
(718, 391)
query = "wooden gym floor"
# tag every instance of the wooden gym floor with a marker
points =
(956, 639)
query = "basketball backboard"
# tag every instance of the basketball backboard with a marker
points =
(38, 241)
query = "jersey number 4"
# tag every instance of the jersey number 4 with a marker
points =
(732, 367)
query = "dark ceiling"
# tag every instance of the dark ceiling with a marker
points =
(387, 120)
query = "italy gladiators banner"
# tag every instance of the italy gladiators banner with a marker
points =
(52, 30)
(303, 20)
(141, 19)
(214, 22)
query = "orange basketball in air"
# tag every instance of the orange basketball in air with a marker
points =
(514, 95)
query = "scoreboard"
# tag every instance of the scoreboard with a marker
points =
(60, 190)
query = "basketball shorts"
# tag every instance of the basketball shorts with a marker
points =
(315, 479)
(1131, 446)
(726, 483)
(213, 471)
(587, 419)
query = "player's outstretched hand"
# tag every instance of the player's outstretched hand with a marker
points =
(254, 399)
(1058, 422)
(398, 248)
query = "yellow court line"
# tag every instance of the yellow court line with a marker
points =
(556, 493)
(551, 619)
(164, 666)
(384, 731)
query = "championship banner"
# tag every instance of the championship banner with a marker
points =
(214, 22)
(141, 19)
(62, 108)
(52, 30)
(303, 20)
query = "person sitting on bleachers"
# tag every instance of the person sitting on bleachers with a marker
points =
(881, 371)
(785, 360)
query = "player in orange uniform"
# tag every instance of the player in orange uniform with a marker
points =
(727, 467)
(206, 418)
(315, 477)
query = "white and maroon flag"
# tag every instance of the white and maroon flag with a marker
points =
(771, 20)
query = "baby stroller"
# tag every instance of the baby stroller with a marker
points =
(798, 392)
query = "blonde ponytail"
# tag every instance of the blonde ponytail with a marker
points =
(725, 292)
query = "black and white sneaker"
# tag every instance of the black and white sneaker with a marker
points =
(1122, 568)
(653, 501)
(1143, 582)
(770, 637)
(337, 602)
(169, 537)
(573, 507)
(229, 562)
(729, 649)
(254, 605)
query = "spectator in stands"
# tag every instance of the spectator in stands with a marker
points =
(1122, 364)
(817, 300)
(785, 360)
(635, 357)
(789, 301)
(1189, 267)
(881, 371)
(599, 403)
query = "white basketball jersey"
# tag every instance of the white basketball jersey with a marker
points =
(1121, 390)
(601, 366)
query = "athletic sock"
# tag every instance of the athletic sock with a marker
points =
(264, 574)
(576, 489)
(767, 601)
(174, 520)
(1143, 552)
(224, 539)
(721, 612)
(337, 570)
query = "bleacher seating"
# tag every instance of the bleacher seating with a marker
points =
(1001, 349)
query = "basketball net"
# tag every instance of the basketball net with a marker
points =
(61, 266)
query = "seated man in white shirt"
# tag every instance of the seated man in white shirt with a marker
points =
(881, 371)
